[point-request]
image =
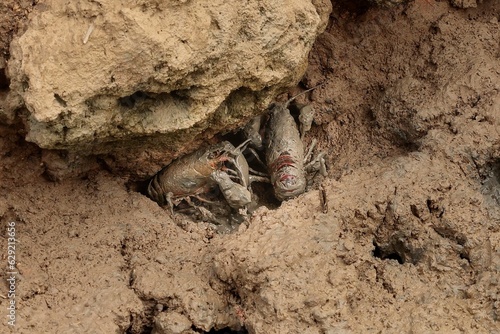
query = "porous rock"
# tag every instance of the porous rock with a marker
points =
(171, 323)
(153, 78)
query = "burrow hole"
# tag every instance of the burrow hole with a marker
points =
(387, 254)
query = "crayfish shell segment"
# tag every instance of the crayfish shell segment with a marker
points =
(287, 177)
(287, 184)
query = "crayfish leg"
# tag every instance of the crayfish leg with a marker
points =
(310, 150)
(169, 201)
(257, 178)
(256, 156)
(318, 164)
(237, 171)
(306, 118)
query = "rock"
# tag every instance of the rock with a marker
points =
(171, 323)
(155, 78)
(464, 3)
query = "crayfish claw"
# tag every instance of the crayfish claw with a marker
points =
(236, 195)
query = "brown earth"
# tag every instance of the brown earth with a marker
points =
(407, 239)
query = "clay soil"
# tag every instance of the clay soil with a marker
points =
(403, 236)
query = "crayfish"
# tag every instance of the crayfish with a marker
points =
(287, 163)
(223, 166)
(198, 173)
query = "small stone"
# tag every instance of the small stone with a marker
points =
(348, 245)
(464, 3)
(171, 323)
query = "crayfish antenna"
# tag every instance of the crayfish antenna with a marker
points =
(239, 149)
(299, 94)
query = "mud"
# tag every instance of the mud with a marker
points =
(404, 238)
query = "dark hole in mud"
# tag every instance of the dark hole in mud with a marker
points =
(295, 111)
(407, 139)
(490, 184)
(357, 7)
(490, 172)
(387, 255)
(465, 256)
(227, 331)
(434, 30)
(25, 83)
(4, 81)
(434, 208)
(142, 98)
(123, 250)
(130, 100)
(266, 195)
(496, 171)
(146, 330)
(140, 186)
(60, 100)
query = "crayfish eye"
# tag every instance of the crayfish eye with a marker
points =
(214, 154)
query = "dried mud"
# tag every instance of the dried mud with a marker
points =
(409, 242)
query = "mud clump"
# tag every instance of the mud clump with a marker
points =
(155, 79)
(407, 223)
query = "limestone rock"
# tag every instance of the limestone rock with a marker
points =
(153, 78)
(172, 323)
